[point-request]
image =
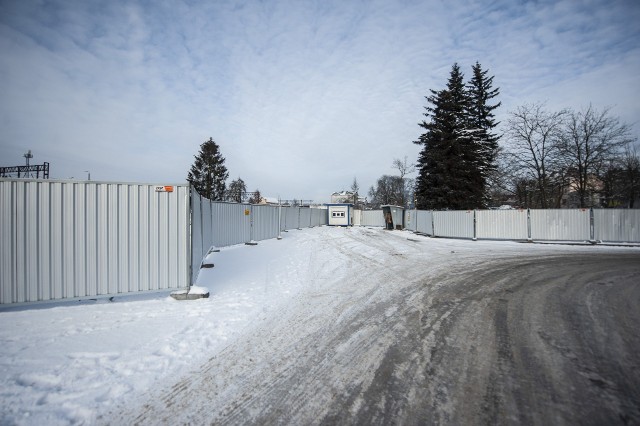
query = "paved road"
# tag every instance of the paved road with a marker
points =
(542, 339)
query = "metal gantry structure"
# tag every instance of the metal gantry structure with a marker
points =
(26, 171)
(39, 170)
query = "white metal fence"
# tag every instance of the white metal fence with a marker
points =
(616, 225)
(369, 217)
(219, 224)
(502, 224)
(80, 239)
(607, 225)
(570, 225)
(71, 239)
(454, 224)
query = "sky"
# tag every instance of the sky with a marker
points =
(301, 96)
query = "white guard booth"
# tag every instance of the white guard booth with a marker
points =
(340, 214)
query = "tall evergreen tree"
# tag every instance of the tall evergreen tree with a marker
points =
(449, 176)
(480, 114)
(237, 191)
(355, 187)
(208, 173)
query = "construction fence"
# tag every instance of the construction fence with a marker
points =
(218, 224)
(593, 225)
(73, 239)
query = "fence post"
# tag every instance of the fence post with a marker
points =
(474, 226)
(529, 225)
(284, 225)
(591, 227)
(189, 234)
(433, 223)
(279, 219)
(251, 223)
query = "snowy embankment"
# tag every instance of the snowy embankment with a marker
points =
(76, 361)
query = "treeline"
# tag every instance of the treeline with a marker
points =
(540, 159)
(208, 175)
(568, 158)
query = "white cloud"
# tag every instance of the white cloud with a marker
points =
(301, 96)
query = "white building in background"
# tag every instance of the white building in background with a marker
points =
(347, 197)
(342, 197)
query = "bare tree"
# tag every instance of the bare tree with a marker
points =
(404, 168)
(256, 197)
(621, 179)
(590, 139)
(388, 190)
(631, 180)
(533, 135)
(500, 185)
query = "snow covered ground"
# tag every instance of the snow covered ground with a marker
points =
(73, 362)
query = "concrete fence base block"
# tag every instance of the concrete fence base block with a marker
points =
(183, 295)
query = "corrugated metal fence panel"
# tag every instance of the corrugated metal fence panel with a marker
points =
(616, 225)
(319, 216)
(561, 225)
(264, 222)
(230, 224)
(222, 224)
(424, 222)
(357, 217)
(305, 217)
(198, 242)
(78, 239)
(455, 224)
(290, 218)
(6, 240)
(216, 224)
(502, 224)
(372, 218)
(410, 220)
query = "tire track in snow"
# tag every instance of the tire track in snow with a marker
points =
(497, 340)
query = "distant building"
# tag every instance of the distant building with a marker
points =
(347, 197)
(271, 201)
(342, 197)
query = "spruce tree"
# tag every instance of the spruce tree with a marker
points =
(449, 177)
(237, 191)
(208, 173)
(482, 120)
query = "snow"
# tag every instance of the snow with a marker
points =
(66, 363)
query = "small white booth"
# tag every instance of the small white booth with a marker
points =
(340, 214)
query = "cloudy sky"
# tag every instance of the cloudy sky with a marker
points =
(302, 96)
